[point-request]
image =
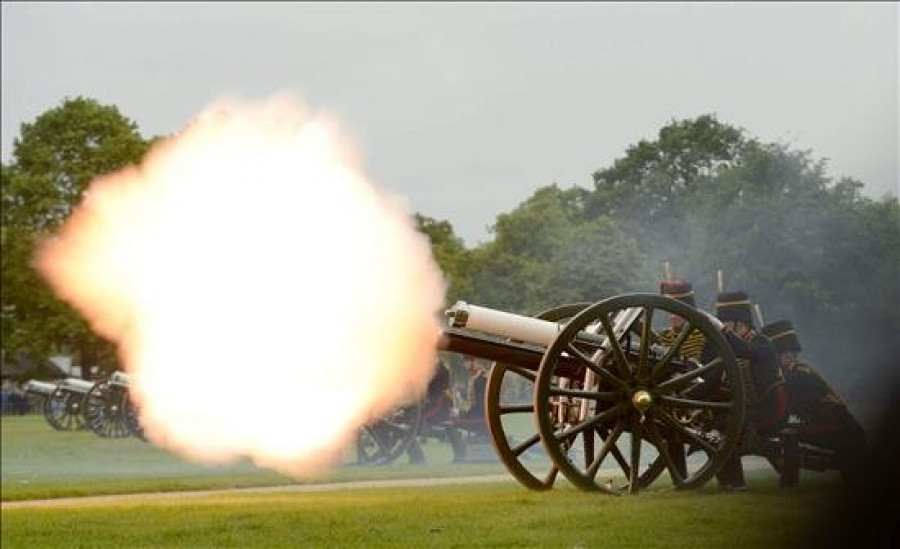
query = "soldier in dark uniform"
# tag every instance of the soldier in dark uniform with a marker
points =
(475, 390)
(436, 409)
(825, 420)
(764, 391)
(472, 419)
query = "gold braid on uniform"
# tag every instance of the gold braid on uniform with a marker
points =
(692, 346)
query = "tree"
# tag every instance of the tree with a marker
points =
(807, 248)
(53, 161)
(545, 254)
(648, 182)
(450, 253)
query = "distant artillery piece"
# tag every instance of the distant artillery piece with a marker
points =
(383, 441)
(120, 382)
(598, 373)
(106, 407)
(64, 402)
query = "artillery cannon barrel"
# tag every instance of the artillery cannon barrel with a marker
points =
(119, 379)
(513, 339)
(75, 385)
(39, 387)
(516, 327)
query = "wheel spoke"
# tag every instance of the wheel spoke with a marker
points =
(588, 438)
(660, 369)
(524, 372)
(677, 402)
(516, 409)
(663, 448)
(687, 433)
(608, 444)
(520, 448)
(590, 422)
(377, 439)
(644, 351)
(604, 374)
(605, 396)
(635, 456)
(682, 381)
(613, 340)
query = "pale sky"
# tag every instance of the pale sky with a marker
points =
(464, 109)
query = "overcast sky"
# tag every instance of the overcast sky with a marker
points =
(466, 108)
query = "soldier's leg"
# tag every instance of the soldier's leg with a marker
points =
(731, 476)
(416, 455)
(456, 443)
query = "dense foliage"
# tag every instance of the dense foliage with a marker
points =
(704, 196)
(53, 160)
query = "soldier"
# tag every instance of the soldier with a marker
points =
(472, 419)
(825, 420)
(694, 347)
(476, 389)
(764, 391)
(695, 343)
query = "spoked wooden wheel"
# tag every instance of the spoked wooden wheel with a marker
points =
(64, 409)
(510, 413)
(611, 401)
(105, 411)
(385, 440)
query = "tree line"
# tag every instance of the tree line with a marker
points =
(702, 195)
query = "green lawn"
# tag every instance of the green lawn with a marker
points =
(493, 515)
(39, 463)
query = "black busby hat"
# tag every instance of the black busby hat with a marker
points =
(783, 336)
(734, 306)
(678, 289)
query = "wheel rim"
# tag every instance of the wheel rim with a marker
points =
(517, 442)
(64, 410)
(104, 411)
(607, 417)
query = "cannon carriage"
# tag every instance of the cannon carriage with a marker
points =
(63, 402)
(109, 409)
(604, 400)
(105, 406)
(608, 401)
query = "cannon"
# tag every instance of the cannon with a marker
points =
(64, 402)
(598, 379)
(384, 440)
(108, 410)
(120, 383)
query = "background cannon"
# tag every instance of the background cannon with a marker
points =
(600, 380)
(120, 382)
(106, 407)
(383, 441)
(64, 403)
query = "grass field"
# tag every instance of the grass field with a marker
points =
(40, 463)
